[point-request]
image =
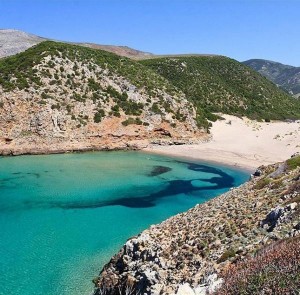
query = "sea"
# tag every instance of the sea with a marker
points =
(62, 217)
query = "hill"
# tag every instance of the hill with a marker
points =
(57, 97)
(245, 241)
(14, 41)
(285, 76)
(221, 84)
(120, 50)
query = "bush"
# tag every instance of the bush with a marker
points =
(274, 270)
(99, 115)
(226, 255)
(262, 183)
(55, 106)
(155, 109)
(293, 163)
(78, 97)
(131, 121)
(93, 85)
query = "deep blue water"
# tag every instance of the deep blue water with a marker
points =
(63, 216)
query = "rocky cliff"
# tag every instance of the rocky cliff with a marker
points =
(208, 246)
(56, 97)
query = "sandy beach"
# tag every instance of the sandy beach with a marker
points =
(242, 142)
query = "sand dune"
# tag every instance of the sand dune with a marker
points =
(243, 143)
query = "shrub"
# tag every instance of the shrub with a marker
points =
(55, 106)
(273, 270)
(226, 255)
(262, 183)
(99, 115)
(93, 85)
(293, 163)
(130, 121)
(78, 97)
(155, 108)
(131, 108)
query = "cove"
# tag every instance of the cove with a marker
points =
(63, 216)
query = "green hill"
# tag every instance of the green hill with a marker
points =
(19, 71)
(72, 97)
(87, 85)
(221, 84)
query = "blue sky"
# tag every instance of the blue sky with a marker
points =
(241, 29)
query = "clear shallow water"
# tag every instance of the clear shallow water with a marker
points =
(63, 216)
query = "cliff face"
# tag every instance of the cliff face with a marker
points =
(191, 253)
(56, 97)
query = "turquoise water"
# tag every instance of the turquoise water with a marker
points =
(63, 216)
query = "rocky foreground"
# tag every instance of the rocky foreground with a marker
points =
(214, 245)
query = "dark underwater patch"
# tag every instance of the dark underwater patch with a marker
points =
(174, 187)
(37, 175)
(158, 170)
(219, 180)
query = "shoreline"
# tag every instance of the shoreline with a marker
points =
(165, 151)
(241, 143)
(234, 142)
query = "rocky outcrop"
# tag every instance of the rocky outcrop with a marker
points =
(188, 253)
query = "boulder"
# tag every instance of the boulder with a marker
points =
(290, 207)
(185, 289)
(271, 219)
(257, 173)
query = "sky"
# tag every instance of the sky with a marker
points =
(240, 29)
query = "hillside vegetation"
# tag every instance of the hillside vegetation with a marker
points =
(59, 90)
(55, 94)
(221, 84)
(287, 77)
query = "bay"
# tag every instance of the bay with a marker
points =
(63, 216)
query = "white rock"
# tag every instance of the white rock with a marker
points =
(185, 289)
(201, 290)
(214, 283)
(291, 206)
